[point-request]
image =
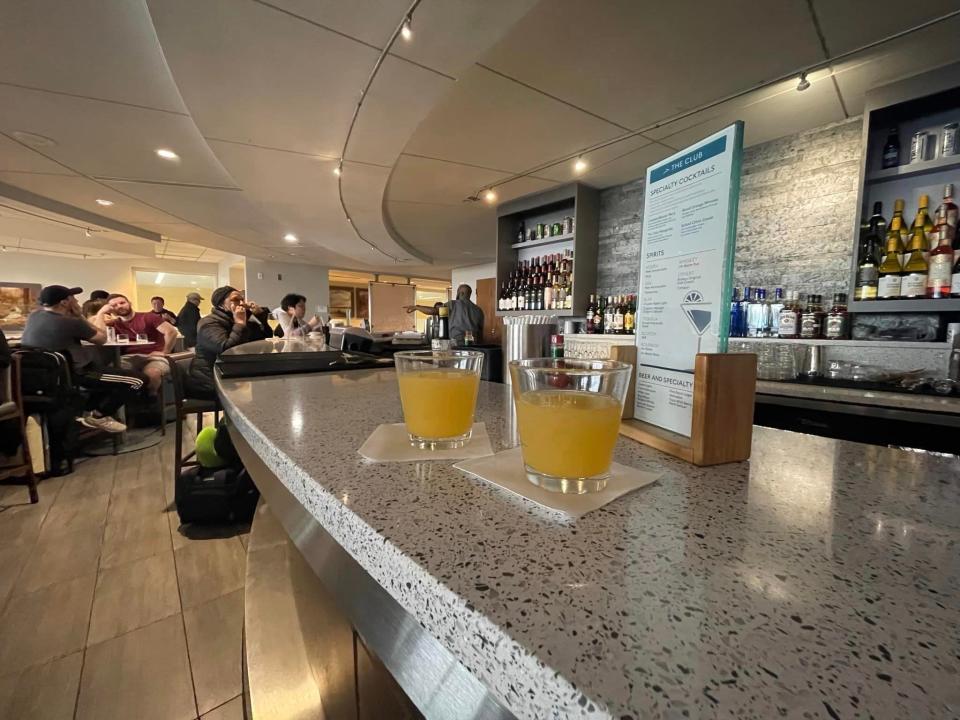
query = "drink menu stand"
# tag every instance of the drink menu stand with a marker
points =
(724, 387)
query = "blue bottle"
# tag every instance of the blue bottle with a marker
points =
(736, 314)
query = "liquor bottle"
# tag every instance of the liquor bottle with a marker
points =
(608, 315)
(890, 272)
(916, 268)
(758, 314)
(788, 325)
(598, 316)
(736, 314)
(745, 303)
(940, 274)
(591, 311)
(811, 322)
(838, 319)
(630, 317)
(776, 306)
(521, 232)
(891, 149)
(922, 220)
(618, 316)
(441, 339)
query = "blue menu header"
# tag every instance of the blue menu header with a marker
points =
(689, 159)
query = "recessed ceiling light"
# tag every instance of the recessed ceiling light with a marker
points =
(33, 139)
(167, 154)
(105, 203)
(490, 196)
(580, 165)
(290, 237)
(405, 31)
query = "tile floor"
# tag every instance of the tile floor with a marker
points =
(107, 609)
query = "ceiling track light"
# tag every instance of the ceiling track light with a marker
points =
(404, 30)
(167, 154)
(490, 196)
(580, 165)
(290, 238)
(804, 84)
(104, 203)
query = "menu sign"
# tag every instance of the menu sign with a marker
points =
(686, 267)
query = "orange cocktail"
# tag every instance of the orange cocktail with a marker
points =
(438, 392)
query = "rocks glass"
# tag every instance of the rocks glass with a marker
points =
(438, 392)
(568, 417)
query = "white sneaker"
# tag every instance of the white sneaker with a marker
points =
(106, 423)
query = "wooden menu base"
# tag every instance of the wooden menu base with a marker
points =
(724, 385)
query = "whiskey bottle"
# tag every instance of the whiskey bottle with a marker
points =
(811, 323)
(891, 150)
(838, 319)
(788, 324)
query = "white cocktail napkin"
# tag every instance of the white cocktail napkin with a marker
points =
(506, 470)
(391, 443)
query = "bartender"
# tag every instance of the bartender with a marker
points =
(465, 315)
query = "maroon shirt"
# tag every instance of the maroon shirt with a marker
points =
(146, 324)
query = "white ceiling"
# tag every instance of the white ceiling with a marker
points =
(256, 96)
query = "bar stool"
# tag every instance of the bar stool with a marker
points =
(186, 406)
(11, 409)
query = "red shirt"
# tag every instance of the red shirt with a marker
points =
(144, 324)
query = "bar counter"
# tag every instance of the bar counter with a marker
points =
(819, 579)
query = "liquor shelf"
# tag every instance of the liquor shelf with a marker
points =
(898, 344)
(923, 167)
(544, 241)
(902, 306)
(681, 595)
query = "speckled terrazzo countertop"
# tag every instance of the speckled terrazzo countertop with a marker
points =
(820, 579)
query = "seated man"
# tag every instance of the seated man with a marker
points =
(290, 316)
(230, 322)
(160, 333)
(156, 302)
(57, 326)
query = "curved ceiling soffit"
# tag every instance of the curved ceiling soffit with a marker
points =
(405, 81)
(405, 84)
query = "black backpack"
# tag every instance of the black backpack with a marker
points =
(221, 495)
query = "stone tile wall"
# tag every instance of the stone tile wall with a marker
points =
(796, 221)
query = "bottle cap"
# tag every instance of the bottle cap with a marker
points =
(924, 200)
(948, 190)
(898, 204)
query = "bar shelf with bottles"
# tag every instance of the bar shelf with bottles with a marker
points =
(788, 316)
(547, 252)
(911, 156)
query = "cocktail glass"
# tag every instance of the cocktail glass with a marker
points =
(568, 416)
(438, 392)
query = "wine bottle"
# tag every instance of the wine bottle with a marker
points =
(898, 206)
(890, 272)
(916, 268)
(923, 220)
(591, 311)
(941, 260)
(630, 317)
(735, 314)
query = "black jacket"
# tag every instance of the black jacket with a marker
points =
(215, 333)
(187, 320)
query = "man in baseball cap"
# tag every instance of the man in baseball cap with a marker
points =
(188, 317)
(59, 326)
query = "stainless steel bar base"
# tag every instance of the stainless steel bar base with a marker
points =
(432, 678)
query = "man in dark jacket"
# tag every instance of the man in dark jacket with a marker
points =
(187, 319)
(231, 322)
